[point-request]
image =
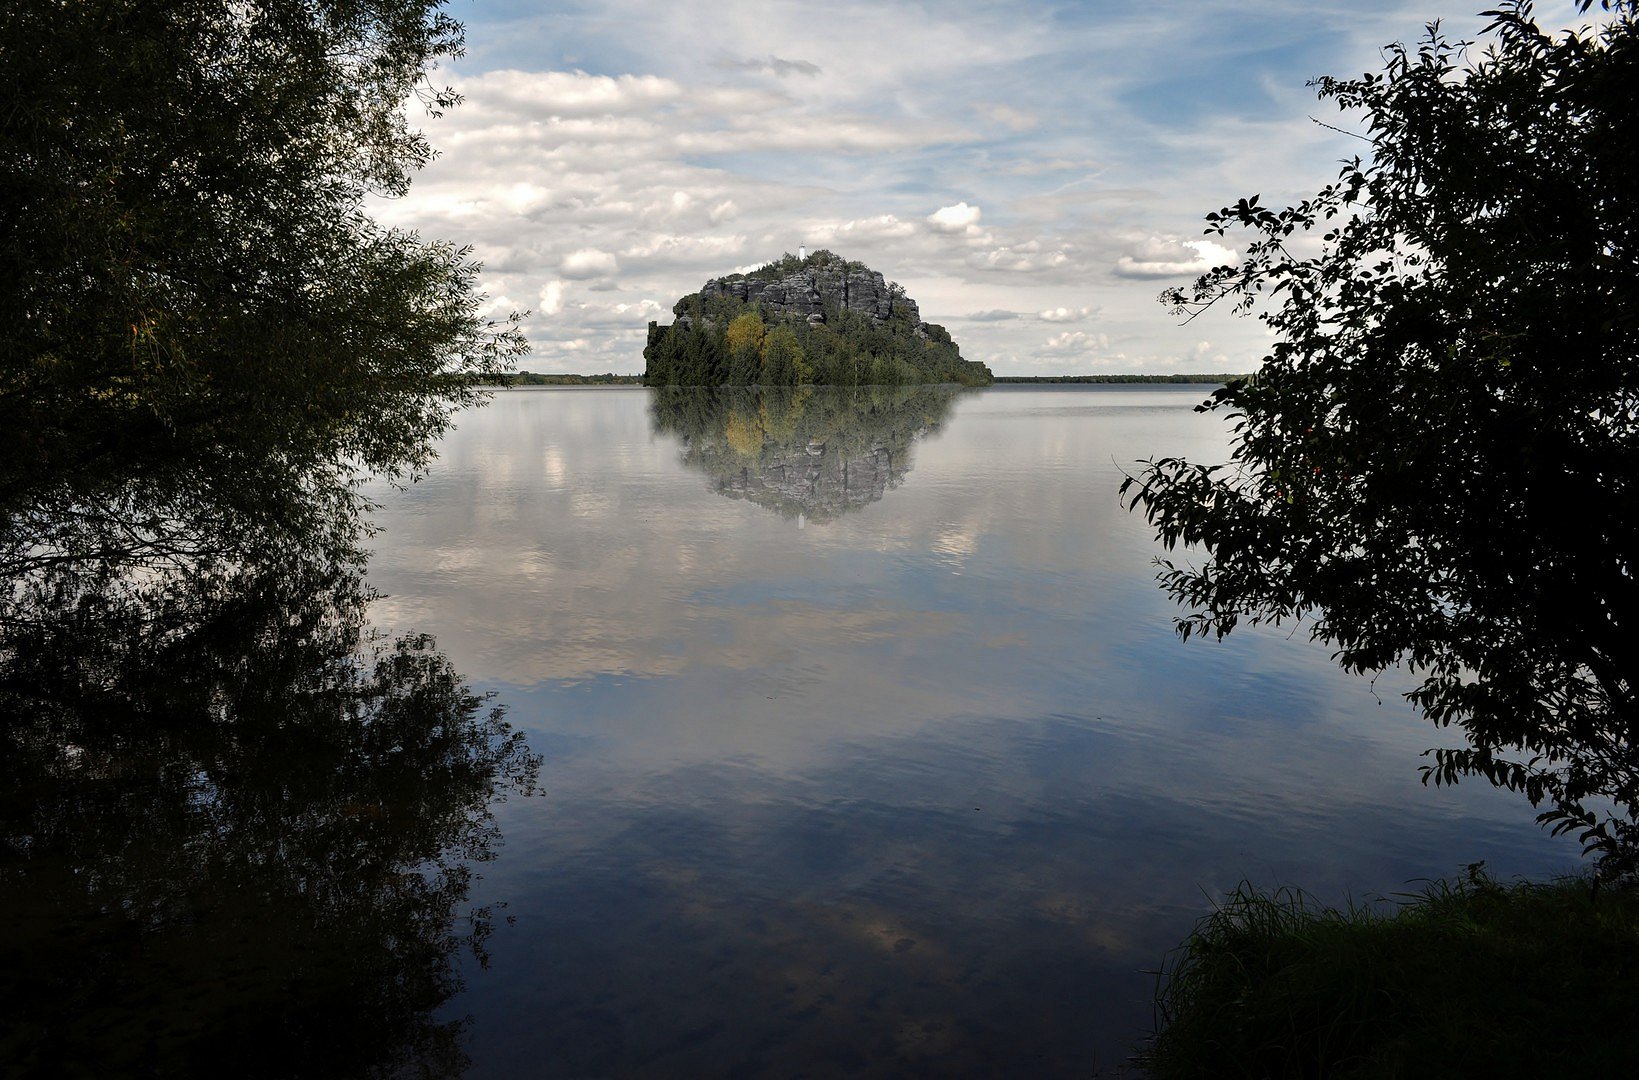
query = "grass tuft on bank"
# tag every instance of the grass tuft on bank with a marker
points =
(1472, 978)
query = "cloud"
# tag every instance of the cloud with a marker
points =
(1009, 117)
(1039, 166)
(653, 161)
(773, 65)
(862, 230)
(617, 316)
(1029, 257)
(1065, 314)
(1074, 343)
(1170, 257)
(588, 263)
(569, 93)
(954, 219)
(1206, 354)
(551, 298)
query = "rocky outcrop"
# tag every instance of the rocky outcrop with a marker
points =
(820, 284)
(848, 325)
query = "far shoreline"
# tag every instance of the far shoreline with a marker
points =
(523, 379)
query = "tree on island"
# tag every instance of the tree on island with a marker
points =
(206, 337)
(1436, 464)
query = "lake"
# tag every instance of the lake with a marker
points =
(867, 744)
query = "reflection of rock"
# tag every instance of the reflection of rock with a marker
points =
(821, 486)
(813, 453)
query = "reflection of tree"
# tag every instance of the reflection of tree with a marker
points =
(236, 831)
(818, 452)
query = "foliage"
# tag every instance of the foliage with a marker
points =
(1210, 380)
(788, 264)
(744, 341)
(782, 359)
(1436, 464)
(204, 332)
(1466, 979)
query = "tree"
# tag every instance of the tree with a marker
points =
(1436, 463)
(206, 338)
(745, 349)
(782, 358)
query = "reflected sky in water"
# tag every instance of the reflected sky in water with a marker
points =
(922, 783)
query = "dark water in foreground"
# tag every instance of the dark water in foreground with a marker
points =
(863, 743)
(868, 745)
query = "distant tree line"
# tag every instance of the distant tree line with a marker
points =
(531, 378)
(1214, 380)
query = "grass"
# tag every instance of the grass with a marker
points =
(1472, 978)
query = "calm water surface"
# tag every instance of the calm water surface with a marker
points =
(868, 745)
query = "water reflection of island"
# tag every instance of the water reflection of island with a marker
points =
(809, 453)
(236, 834)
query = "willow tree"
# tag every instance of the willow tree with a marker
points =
(206, 337)
(1436, 463)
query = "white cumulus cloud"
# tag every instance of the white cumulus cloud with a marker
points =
(1065, 314)
(954, 219)
(588, 263)
(1164, 257)
(1074, 343)
(551, 298)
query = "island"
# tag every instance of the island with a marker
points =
(816, 318)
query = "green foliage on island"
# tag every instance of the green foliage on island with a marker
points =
(1207, 380)
(777, 346)
(1467, 979)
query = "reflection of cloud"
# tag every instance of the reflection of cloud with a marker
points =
(830, 731)
(955, 543)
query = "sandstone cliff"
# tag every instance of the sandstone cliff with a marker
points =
(821, 283)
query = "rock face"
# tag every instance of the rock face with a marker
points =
(808, 292)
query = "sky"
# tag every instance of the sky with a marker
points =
(1033, 173)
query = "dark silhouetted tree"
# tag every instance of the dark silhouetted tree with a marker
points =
(1436, 464)
(204, 331)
